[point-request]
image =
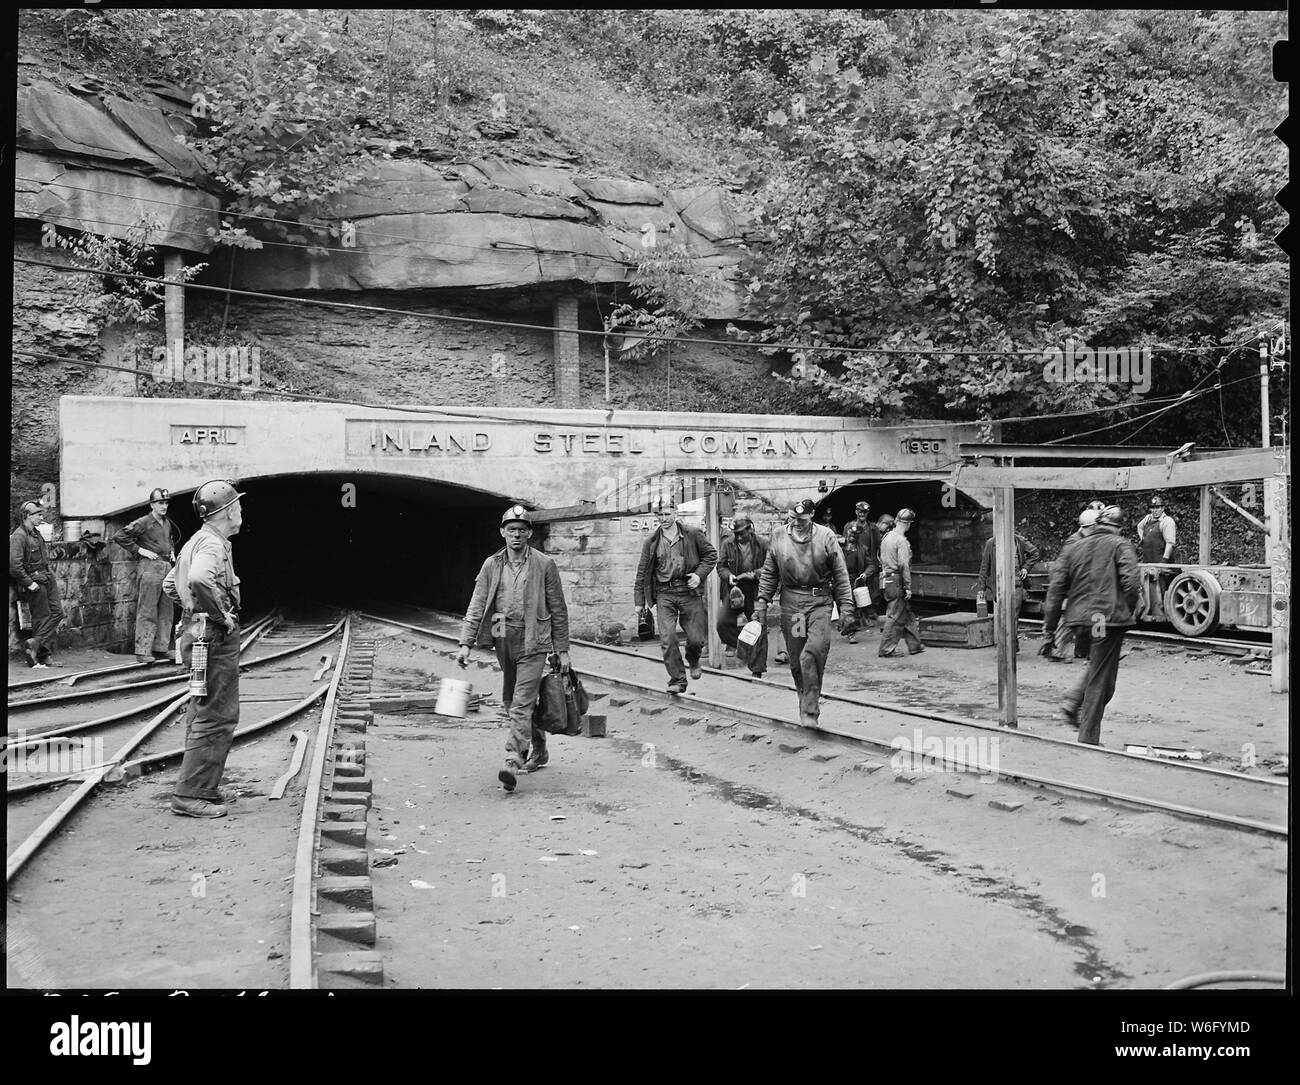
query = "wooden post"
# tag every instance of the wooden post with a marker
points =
(713, 528)
(174, 307)
(1004, 536)
(1203, 550)
(1279, 560)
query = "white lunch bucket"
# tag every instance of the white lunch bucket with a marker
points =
(453, 698)
(71, 530)
(750, 634)
(861, 596)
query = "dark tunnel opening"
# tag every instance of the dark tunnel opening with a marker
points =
(943, 536)
(349, 540)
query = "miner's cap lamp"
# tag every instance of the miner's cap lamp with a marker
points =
(516, 514)
(159, 494)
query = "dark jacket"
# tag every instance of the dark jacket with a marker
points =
(546, 616)
(1100, 576)
(29, 561)
(730, 562)
(1026, 555)
(697, 553)
(862, 548)
(161, 537)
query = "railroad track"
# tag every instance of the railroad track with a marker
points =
(288, 669)
(1235, 800)
(1233, 645)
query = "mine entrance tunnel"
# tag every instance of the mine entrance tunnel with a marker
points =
(949, 531)
(350, 539)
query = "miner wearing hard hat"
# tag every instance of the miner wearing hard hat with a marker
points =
(1095, 587)
(518, 609)
(862, 555)
(896, 585)
(203, 582)
(675, 562)
(806, 565)
(151, 540)
(32, 579)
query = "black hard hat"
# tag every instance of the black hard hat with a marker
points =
(159, 494)
(516, 514)
(212, 497)
(905, 514)
(805, 507)
(28, 508)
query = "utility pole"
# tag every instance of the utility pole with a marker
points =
(1263, 391)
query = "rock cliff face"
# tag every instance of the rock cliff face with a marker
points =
(96, 162)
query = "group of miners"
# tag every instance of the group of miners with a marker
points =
(812, 567)
(200, 579)
(518, 607)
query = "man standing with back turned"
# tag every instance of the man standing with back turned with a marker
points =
(896, 583)
(1099, 574)
(203, 581)
(675, 562)
(150, 539)
(805, 563)
(518, 608)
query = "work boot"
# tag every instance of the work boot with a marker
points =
(197, 808)
(507, 775)
(782, 656)
(144, 659)
(537, 760)
(677, 686)
(1071, 714)
(808, 719)
(758, 674)
(696, 672)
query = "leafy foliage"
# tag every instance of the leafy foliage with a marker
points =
(114, 300)
(1004, 183)
(675, 292)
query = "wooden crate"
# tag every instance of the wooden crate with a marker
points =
(960, 630)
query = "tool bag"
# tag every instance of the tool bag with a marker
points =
(561, 702)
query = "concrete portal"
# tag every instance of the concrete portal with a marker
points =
(347, 502)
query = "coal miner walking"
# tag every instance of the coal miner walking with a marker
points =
(1099, 575)
(740, 562)
(896, 585)
(203, 583)
(151, 540)
(805, 563)
(518, 609)
(675, 562)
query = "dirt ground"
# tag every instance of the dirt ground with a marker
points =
(669, 856)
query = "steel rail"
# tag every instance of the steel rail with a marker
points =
(128, 687)
(302, 969)
(118, 668)
(18, 859)
(1180, 639)
(939, 717)
(126, 712)
(1044, 781)
(168, 755)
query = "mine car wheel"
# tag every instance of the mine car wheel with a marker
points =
(1192, 603)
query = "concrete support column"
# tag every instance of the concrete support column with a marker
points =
(568, 392)
(174, 303)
